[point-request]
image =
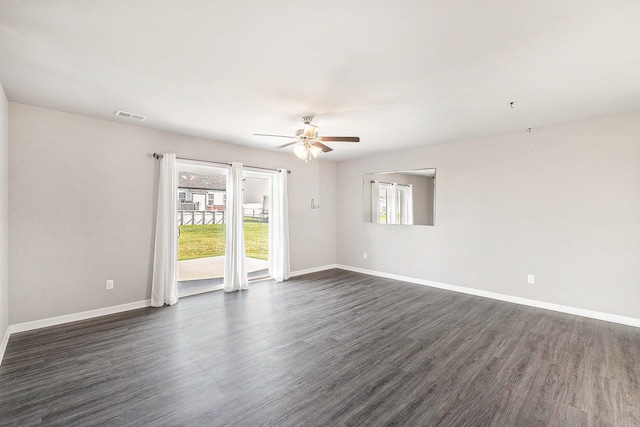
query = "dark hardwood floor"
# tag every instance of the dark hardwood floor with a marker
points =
(332, 348)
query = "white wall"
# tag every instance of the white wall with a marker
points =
(562, 203)
(4, 214)
(82, 172)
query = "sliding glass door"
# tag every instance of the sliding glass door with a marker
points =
(202, 225)
(256, 197)
(201, 217)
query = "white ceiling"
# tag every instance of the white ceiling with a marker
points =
(398, 74)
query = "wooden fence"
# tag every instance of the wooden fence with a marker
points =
(191, 217)
(201, 217)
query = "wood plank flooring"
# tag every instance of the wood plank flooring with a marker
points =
(334, 348)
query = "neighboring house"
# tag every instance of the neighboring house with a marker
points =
(208, 192)
(201, 192)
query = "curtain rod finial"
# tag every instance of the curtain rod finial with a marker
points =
(157, 156)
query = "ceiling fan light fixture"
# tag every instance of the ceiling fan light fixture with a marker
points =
(300, 151)
(315, 151)
(306, 152)
(307, 144)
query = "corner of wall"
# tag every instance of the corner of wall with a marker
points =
(4, 221)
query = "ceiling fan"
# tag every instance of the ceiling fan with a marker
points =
(310, 145)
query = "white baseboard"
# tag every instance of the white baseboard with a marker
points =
(53, 321)
(3, 345)
(624, 320)
(313, 270)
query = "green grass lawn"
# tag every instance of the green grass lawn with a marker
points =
(200, 241)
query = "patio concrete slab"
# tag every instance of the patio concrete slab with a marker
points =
(210, 267)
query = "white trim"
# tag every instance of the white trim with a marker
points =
(3, 345)
(53, 321)
(201, 290)
(314, 270)
(608, 317)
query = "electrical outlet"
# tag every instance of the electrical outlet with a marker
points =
(530, 279)
(109, 284)
(365, 255)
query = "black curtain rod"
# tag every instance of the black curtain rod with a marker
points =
(159, 156)
(383, 182)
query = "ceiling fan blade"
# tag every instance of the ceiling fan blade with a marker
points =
(277, 136)
(287, 144)
(324, 148)
(340, 138)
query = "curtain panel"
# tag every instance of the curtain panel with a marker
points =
(375, 202)
(235, 271)
(164, 286)
(279, 260)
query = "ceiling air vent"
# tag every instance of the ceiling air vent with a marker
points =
(131, 116)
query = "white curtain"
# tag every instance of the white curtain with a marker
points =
(375, 201)
(409, 205)
(279, 264)
(164, 287)
(392, 205)
(235, 271)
